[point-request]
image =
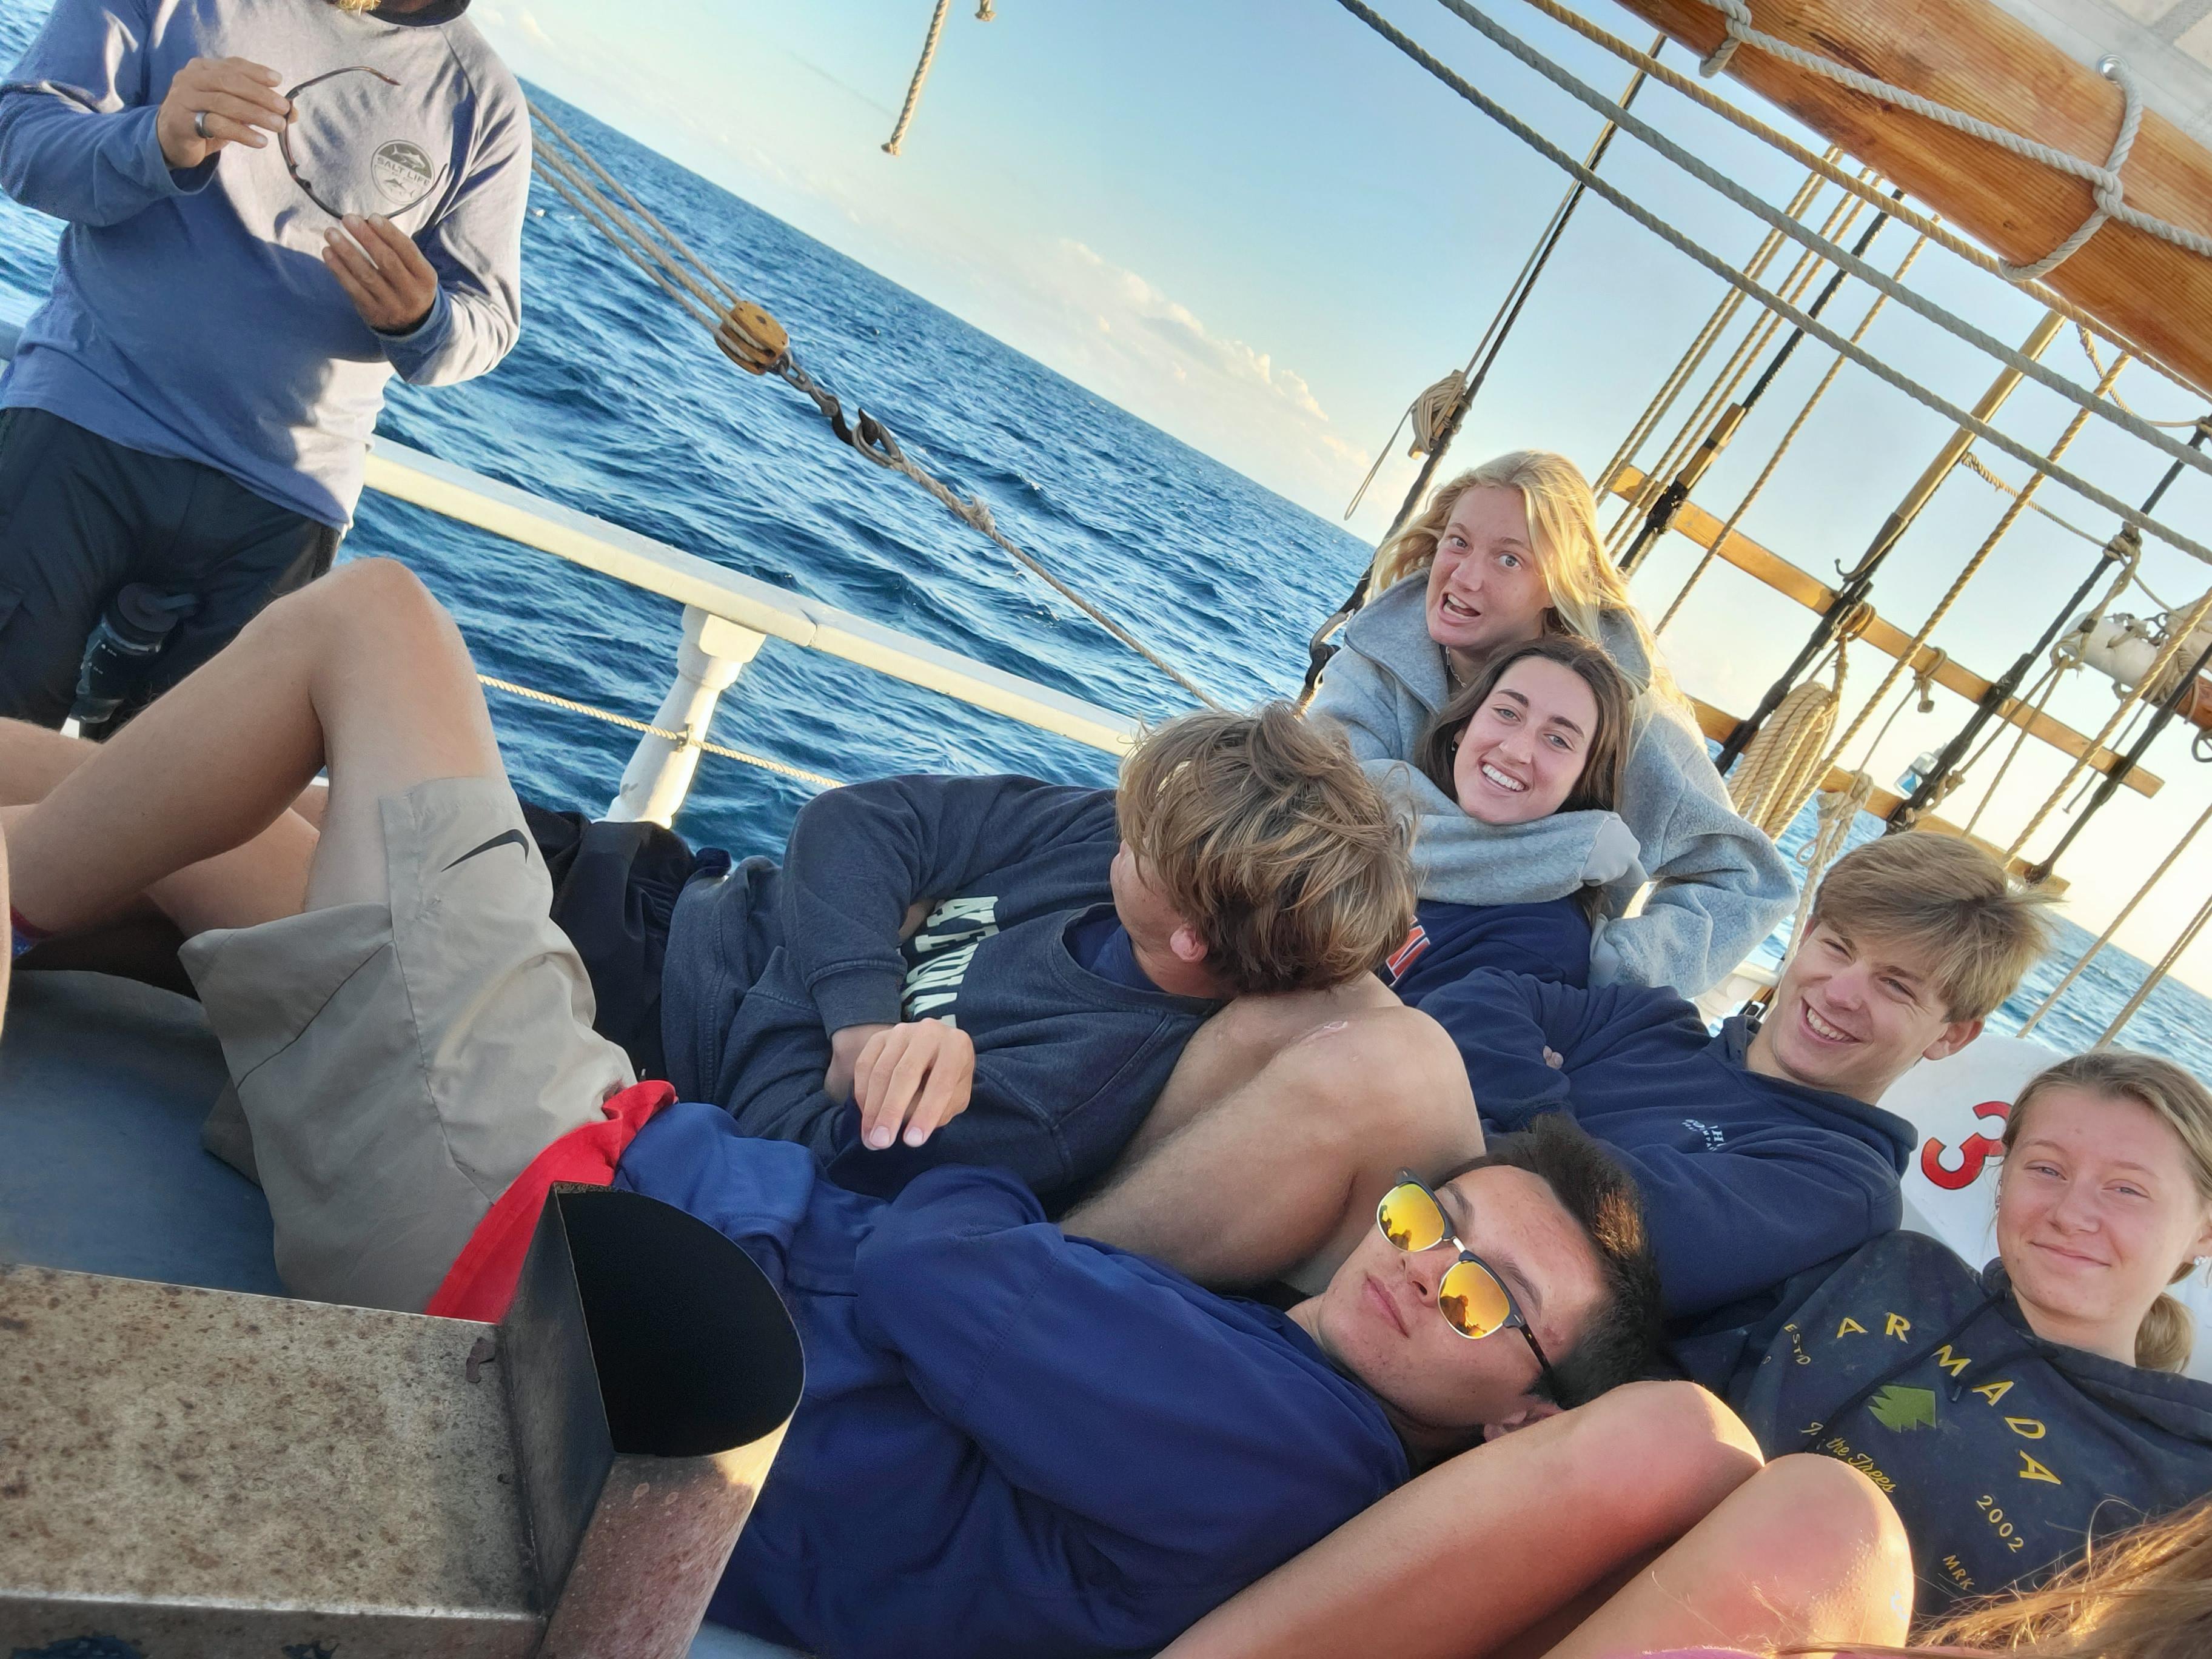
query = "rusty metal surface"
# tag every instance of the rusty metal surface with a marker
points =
(207, 1471)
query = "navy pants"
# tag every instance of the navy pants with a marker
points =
(81, 517)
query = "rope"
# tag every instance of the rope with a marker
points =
(2177, 637)
(2113, 927)
(2046, 688)
(1428, 413)
(681, 739)
(2105, 182)
(1979, 257)
(1752, 203)
(1839, 810)
(754, 340)
(1774, 460)
(2153, 979)
(1783, 763)
(921, 75)
(2017, 505)
(2089, 350)
(1694, 355)
(1733, 373)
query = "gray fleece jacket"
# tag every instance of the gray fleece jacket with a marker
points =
(1718, 886)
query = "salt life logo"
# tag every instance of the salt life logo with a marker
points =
(403, 172)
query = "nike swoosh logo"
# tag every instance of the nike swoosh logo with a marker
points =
(505, 838)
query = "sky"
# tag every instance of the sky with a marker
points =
(1258, 225)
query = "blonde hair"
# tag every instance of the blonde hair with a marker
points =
(1268, 838)
(2167, 1333)
(1950, 902)
(1585, 586)
(2147, 1595)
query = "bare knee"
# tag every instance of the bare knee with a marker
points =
(1826, 1544)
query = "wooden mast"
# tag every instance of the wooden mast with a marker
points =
(1975, 58)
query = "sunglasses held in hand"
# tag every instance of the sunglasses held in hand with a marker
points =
(401, 171)
(1471, 1296)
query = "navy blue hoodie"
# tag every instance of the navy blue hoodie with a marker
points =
(1011, 1442)
(1548, 941)
(1746, 1179)
(2002, 1452)
(763, 963)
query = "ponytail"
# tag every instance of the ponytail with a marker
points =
(2167, 1334)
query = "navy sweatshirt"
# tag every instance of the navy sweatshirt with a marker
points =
(1547, 941)
(1011, 1442)
(1746, 1179)
(764, 963)
(2002, 1452)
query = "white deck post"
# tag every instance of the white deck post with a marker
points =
(714, 652)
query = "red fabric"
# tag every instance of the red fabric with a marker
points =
(481, 1282)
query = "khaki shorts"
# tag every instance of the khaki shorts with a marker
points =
(400, 1063)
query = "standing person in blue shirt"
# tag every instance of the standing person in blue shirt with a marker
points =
(1541, 733)
(1511, 551)
(271, 206)
(1760, 1152)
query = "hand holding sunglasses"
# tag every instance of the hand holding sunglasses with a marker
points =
(214, 101)
(1471, 1296)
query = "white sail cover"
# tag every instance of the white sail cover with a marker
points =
(2167, 44)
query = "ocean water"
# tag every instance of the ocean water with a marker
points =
(613, 403)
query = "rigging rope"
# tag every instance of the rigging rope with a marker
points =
(2045, 689)
(2156, 977)
(756, 343)
(1759, 484)
(2105, 182)
(1428, 413)
(2113, 927)
(2089, 350)
(1732, 375)
(1839, 810)
(1784, 764)
(1694, 355)
(2017, 505)
(1685, 246)
(681, 739)
(921, 75)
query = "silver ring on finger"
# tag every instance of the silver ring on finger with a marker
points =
(199, 126)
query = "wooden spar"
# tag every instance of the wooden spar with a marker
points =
(1701, 528)
(1971, 56)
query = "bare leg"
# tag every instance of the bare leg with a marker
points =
(1230, 1048)
(1807, 1552)
(360, 672)
(1479, 1548)
(1302, 1151)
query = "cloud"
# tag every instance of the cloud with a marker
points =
(1120, 333)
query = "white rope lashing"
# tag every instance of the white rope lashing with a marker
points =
(2105, 182)
(1428, 413)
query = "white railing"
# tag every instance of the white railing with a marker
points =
(726, 619)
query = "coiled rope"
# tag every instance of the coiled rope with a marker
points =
(1786, 762)
(1757, 205)
(681, 739)
(757, 343)
(2105, 182)
(1428, 413)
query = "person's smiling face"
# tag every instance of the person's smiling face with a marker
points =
(1522, 753)
(2096, 1207)
(1485, 589)
(1853, 1014)
(1378, 1317)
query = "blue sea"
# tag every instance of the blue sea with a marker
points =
(615, 403)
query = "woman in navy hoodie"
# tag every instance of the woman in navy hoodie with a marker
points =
(1542, 731)
(2014, 1414)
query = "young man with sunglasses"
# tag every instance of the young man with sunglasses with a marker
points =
(270, 207)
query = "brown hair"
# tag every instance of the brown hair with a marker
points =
(1268, 838)
(1598, 788)
(1620, 1340)
(2167, 1333)
(2147, 1595)
(1950, 900)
